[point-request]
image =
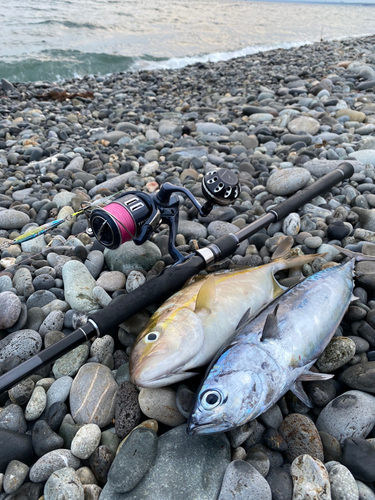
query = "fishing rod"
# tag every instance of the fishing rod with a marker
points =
(137, 219)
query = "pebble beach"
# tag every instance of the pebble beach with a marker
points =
(79, 429)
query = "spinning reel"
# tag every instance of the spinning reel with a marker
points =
(136, 215)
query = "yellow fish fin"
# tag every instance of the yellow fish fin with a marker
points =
(301, 260)
(283, 249)
(207, 295)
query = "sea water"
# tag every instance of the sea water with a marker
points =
(58, 39)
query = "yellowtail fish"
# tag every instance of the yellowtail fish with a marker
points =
(190, 327)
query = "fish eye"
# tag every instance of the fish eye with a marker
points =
(211, 399)
(151, 337)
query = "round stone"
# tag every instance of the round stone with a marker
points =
(10, 306)
(51, 462)
(339, 351)
(13, 219)
(304, 124)
(343, 484)
(79, 285)
(127, 410)
(86, 441)
(242, 481)
(310, 479)
(351, 414)
(160, 404)
(92, 396)
(64, 480)
(111, 281)
(133, 460)
(135, 279)
(301, 436)
(102, 346)
(14, 476)
(359, 456)
(131, 256)
(361, 376)
(287, 181)
(291, 224)
(36, 404)
(24, 344)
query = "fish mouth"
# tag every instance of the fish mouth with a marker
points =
(142, 380)
(193, 429)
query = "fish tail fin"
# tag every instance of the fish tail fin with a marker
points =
(300, 260)
(288, 258)
(283, 250)
(354, 255)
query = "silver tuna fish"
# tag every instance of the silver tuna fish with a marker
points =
(273, 353)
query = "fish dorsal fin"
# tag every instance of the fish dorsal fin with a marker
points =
(271, 329)
(299, 391)
(310, 376)
(206, 296)
(283, 249)
(246, 318)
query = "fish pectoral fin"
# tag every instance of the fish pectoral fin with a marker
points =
(353, 298)
(271, 329)
(206, 296)
(299, 391)
(246, 318)
(310, 376)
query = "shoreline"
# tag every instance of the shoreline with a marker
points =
(277, 119)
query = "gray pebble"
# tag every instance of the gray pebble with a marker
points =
(14, 476)
(86, 441)
(51, 462)
(64, 480)
(92, 396)
(10, 306)
(241, 482)
(160, 404)
(59, 390)
(36, 404)
(351, 414)
(343, 484)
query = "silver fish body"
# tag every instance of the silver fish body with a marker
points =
(273, 353)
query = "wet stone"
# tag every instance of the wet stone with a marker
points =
(281, 483)
(359, 456)
(133, 460)
(192, 460)
(361, 376)
(44, 439)
(127, 409)
(14, 476)
(241, 481)
(160, 404)
(10, 306)
(301, 436)
(64, 480)
(51, 462)
(310, 479)
(100, 462)
(343, 485)
(70, 363)
(92, 396)
(12, 419)
(351, 414)
(338, 352)
(86, 441)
